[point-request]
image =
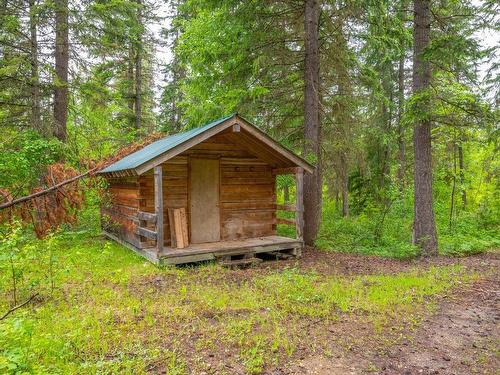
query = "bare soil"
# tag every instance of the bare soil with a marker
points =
(460, 336)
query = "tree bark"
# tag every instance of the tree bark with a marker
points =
(130, 86)
(462, 173)
(401, 139)
(62, 61)
(312, 130)
(36, 122)
(454, 184)
(286, 193)
(138, 70)
(401, 174)
(424, 227)
(344, 185)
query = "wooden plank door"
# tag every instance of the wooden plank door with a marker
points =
(204, 200)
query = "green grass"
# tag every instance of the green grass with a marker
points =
(111, 311)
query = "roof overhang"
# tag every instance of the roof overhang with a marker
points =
(237, 122)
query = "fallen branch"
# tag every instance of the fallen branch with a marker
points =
(43, 192)
(18, 306)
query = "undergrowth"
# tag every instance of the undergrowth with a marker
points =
(390, 235)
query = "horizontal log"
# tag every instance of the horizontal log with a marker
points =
(148, 233)
(286, 207)
(291, 170)
(285, 221)
(146, 216)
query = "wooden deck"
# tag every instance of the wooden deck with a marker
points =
(221, 250)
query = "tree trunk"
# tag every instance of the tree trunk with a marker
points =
(312, 131)
(286, 193)
(401, 139)
(462, 173)
(62, 60)
(36, 122)
(138, 71)
(344, 185)
(424, 227)
(130, 86)
(401, 173)
(454, 184)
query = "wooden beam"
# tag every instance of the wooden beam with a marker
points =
(286, 207)
(299, 204)
(146, 216)
(236, 128)
(148, 233)
(290, 170)
(285, 221)
(158, 182)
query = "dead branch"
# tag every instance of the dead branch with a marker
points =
(46, 191)
(18, 306)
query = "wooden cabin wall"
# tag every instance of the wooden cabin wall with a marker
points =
(247, 189)
(248, 199)
(120, 212)
(175, 190)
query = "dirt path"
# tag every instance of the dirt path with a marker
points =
(462, 336)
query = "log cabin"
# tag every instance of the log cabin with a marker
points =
(206, 194)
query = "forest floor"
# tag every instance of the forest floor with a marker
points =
(460, 336)
(327, 313)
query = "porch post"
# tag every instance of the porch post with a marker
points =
(299, 203)
(158, 181)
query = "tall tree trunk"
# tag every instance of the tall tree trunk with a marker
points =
(36, 122)
(462, 173)
(138, 70)
(454, 183)
(424, 227)
(286, 193)
(401, 139)
(344, 181)
(401, 174)
(138, 90)
(386, 126)
(62, 61)
(312, 131)
(130, 86)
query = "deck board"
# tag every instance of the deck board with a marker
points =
(213, 250)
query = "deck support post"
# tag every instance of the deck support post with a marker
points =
(299, 203)
(158, 182)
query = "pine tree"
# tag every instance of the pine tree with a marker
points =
(424, 227)
(312, 128)
(61, 90)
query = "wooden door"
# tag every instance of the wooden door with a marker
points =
(204, 200)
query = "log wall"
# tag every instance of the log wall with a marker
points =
(119, 211)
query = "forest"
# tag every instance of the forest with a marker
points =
(395, 103)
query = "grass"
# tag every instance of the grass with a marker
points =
(111, 311)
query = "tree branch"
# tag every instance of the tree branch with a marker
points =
(18, 306)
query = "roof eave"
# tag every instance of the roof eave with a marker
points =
(290, 155)
(184, 146)
(190, 142)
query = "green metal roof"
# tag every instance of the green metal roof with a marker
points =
(159, 147)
